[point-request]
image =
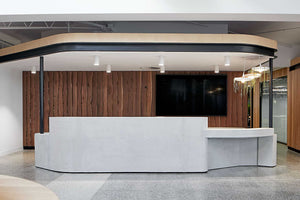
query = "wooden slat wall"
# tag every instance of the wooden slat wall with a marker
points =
(293, 115)
(276, 74)
(256, 105)
(295, 61)
(102, 94)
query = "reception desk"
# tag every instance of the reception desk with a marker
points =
(149, 144)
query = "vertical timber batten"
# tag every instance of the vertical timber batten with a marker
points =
(41, 94)
(271, 94)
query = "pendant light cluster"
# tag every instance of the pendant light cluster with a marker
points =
(254, 73)
(241, 79)
(258, 70)
(247, 77)
(248, 80)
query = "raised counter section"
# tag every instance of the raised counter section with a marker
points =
(149, 144)
(122, 144)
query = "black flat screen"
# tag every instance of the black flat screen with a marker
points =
(191, 95)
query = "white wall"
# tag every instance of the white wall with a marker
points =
(11, 129)
(285, 54)
(84, 10)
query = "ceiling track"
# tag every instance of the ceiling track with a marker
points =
(54, 25)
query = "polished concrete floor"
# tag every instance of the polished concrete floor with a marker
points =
(281, 182)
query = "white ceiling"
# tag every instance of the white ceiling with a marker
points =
(112, 10)
(135, 61)
(286, 33)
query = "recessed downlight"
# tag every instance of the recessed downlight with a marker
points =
(227, 61)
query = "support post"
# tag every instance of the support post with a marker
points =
(271, 94)
(41, 95)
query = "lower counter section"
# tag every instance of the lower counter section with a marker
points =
(149, 144)
(230, 152)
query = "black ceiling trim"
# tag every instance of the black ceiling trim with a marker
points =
(140, 47)
(294, 67)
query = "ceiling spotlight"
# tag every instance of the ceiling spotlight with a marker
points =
(33, 70)
(217, 69)
(96, 61)
(108, 68)
(227, 61)
(162, 69)
(161, 61)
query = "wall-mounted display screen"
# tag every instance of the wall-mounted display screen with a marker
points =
(191, 95)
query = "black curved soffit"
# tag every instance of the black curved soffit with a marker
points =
(139, 47)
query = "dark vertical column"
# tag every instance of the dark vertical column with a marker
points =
(271, 94)
(41, 95)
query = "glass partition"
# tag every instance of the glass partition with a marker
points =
(279, 107)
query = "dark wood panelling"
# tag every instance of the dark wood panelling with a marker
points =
(115, 94)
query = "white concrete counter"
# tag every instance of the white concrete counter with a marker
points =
(149, 144)
(228, 147)
(238, 132)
